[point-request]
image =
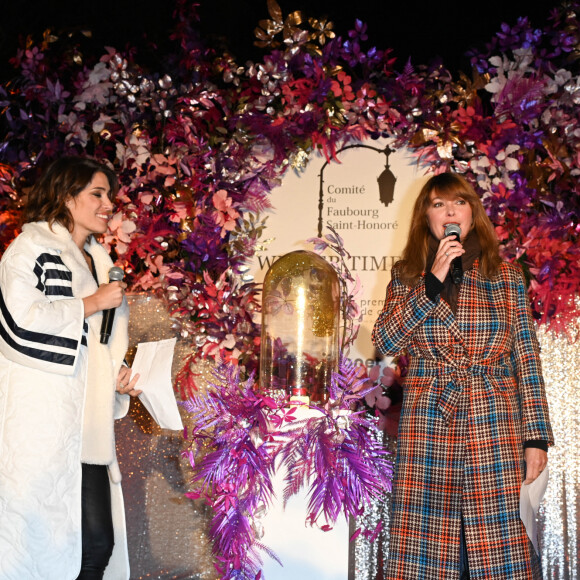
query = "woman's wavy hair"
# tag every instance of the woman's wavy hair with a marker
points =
(414, 259)
(65, 178)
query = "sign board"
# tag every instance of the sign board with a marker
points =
(374, 230)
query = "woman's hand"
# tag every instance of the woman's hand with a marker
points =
(536, 461)
(107, 296)
(126, 383)
(449, 248)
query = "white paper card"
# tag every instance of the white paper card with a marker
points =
(530, 497)
(153, 363)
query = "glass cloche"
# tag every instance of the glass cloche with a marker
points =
(300, 326)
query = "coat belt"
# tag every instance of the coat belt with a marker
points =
(454, 378)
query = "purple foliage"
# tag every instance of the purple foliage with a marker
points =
(237, 435)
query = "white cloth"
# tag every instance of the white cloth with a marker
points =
(530, 497)
(43, 382)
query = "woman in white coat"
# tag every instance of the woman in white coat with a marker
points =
(61, 509)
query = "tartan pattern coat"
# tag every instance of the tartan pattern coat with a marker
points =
(473, 395)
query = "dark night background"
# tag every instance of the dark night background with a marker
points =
(418, 30)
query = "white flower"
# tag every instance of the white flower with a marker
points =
(229, 341)
(96, 87)
(562, 76)
(512, 164)
(100, 123)
(75, 130)
(479, 165)
(137, 149)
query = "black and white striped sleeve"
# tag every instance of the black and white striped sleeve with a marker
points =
(41, 323)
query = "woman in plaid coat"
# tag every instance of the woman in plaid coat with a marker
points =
(474, 423)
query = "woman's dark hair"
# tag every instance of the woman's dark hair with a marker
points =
(447, 185)
(65, 178)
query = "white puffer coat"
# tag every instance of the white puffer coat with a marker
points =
(57, 404)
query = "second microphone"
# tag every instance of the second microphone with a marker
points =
(456, 268)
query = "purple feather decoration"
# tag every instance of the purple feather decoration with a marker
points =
(236, 439)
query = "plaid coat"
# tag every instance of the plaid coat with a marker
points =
(473, 395)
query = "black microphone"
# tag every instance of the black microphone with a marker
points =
(456, 267)
(115, 275)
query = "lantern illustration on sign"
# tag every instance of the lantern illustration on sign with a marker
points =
(300, 326)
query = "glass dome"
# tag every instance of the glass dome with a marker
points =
(300, 325)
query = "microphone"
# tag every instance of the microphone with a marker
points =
(456, 267)
(116, 274)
